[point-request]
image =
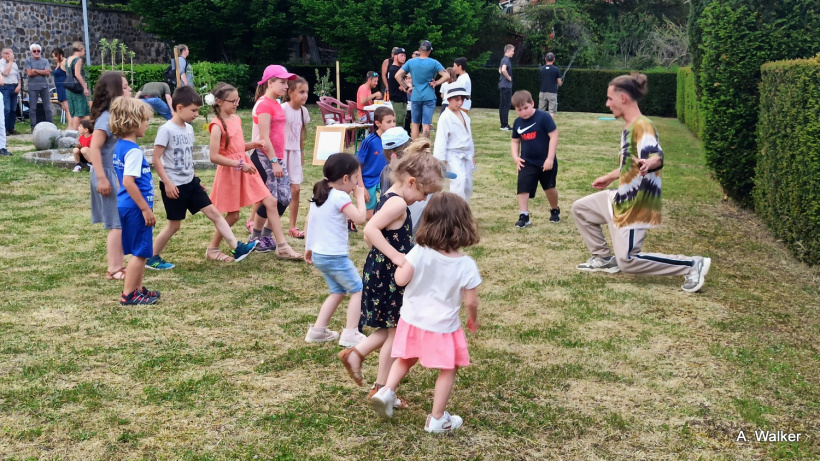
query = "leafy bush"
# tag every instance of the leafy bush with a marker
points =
(687, 105)
(738, 37)
(206, 74)
(787, 182)
(584, 90)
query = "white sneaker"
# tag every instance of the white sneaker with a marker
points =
(596, 264)
(383, 402)
(77, 168)
(447, 423)
(697, 275)
(320, 335)
(351, 338)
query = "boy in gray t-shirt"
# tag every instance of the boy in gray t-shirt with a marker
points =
(179, 186)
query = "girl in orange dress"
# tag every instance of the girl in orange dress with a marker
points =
(236, 183)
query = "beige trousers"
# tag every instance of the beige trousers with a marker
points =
(593, 211)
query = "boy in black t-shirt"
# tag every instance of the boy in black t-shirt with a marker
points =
(533, 144)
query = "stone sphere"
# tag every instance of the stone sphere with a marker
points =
(43, 134)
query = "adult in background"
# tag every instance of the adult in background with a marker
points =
(186, 73)
(385, 67)
(38, 69)
(77, 102)
(10, 88)
(550, 81)
(463, 81)
(423, 97)
(635, 205)
(398, 97)
(158, 96)
(505, 87)
(59, 78)
(364, 95)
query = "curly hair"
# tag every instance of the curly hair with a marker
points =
(127, 114)
(420, 165)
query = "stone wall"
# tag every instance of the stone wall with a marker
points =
(53, 25)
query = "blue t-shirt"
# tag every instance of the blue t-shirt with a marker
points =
(371, 156)
(129, 161)
(534, 135)
(423, 72)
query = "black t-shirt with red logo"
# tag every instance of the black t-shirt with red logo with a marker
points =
(534, 135)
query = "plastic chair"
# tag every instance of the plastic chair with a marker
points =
(336, 104)
(333, 116)
(352, 111)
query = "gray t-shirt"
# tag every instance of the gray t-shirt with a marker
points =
(107, 150)
(502, 80)
(37, 82)
(177, 158)
(185, 67)
(13, 78)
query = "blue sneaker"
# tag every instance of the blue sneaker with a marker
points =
(158, 264)
(243, 250)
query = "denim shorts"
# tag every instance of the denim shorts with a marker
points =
(340, 273)
(423, 112)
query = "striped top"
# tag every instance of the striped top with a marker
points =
(636, 203)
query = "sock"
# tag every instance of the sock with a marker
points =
(267, 232)
(526, 213)
(255, 234)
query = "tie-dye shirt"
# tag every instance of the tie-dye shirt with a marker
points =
(636, 203)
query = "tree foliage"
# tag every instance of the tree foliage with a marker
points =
(364, 31)
(247, 31)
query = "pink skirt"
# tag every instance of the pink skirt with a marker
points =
(441, 351)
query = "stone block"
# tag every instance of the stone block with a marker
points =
(67, 143)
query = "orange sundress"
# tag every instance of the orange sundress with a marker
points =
(234, 189)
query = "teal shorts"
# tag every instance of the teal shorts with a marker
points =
(375, 192)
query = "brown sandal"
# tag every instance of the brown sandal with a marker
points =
(356, 375)
(118, 274)
(216, 255)
(284, 251)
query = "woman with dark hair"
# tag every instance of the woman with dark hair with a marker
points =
(104, 183)
(77, 103)
(59, 78)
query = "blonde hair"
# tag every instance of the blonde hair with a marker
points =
(127, 114)
(420, 165)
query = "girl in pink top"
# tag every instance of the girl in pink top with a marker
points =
(236, 183)
(269, 129)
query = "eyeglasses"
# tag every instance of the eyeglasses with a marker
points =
(35, 51)
(232, 101)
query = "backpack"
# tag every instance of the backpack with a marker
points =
(171, 75)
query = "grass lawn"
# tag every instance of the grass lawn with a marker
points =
(567, 365)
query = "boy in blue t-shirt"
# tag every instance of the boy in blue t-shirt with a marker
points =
(533, 144)
(135, 198)
(371, 156)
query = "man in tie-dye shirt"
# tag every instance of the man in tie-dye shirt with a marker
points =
(635, 205)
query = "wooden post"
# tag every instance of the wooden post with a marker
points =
(338, 87)
(176, 64)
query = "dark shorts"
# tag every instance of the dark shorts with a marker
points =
(192, 197)
(531, 174)
(279, 187)
(137, 238)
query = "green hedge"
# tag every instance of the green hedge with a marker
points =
(583, 91)
(738, 37)
(205, 74)
(687, 105)
(787, 182)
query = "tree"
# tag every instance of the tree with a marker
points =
(247, 31)
(364, 31)
(562, 27)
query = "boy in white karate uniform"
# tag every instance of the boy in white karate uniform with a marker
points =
(454, 143)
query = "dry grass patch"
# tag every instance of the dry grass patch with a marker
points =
(567, 365)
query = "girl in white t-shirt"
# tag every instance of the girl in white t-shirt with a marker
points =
(438, 278)
(297, 118)
(326, 246)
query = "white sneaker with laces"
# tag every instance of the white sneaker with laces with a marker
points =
(320, 335)
(383, 402)
(697, 275)
(597, 264)
(447, 423)
(77, 168)
(351, 338)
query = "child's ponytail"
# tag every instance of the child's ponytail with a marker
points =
(336, 167)
(220, 91)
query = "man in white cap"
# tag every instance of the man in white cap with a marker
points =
(38, 69)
